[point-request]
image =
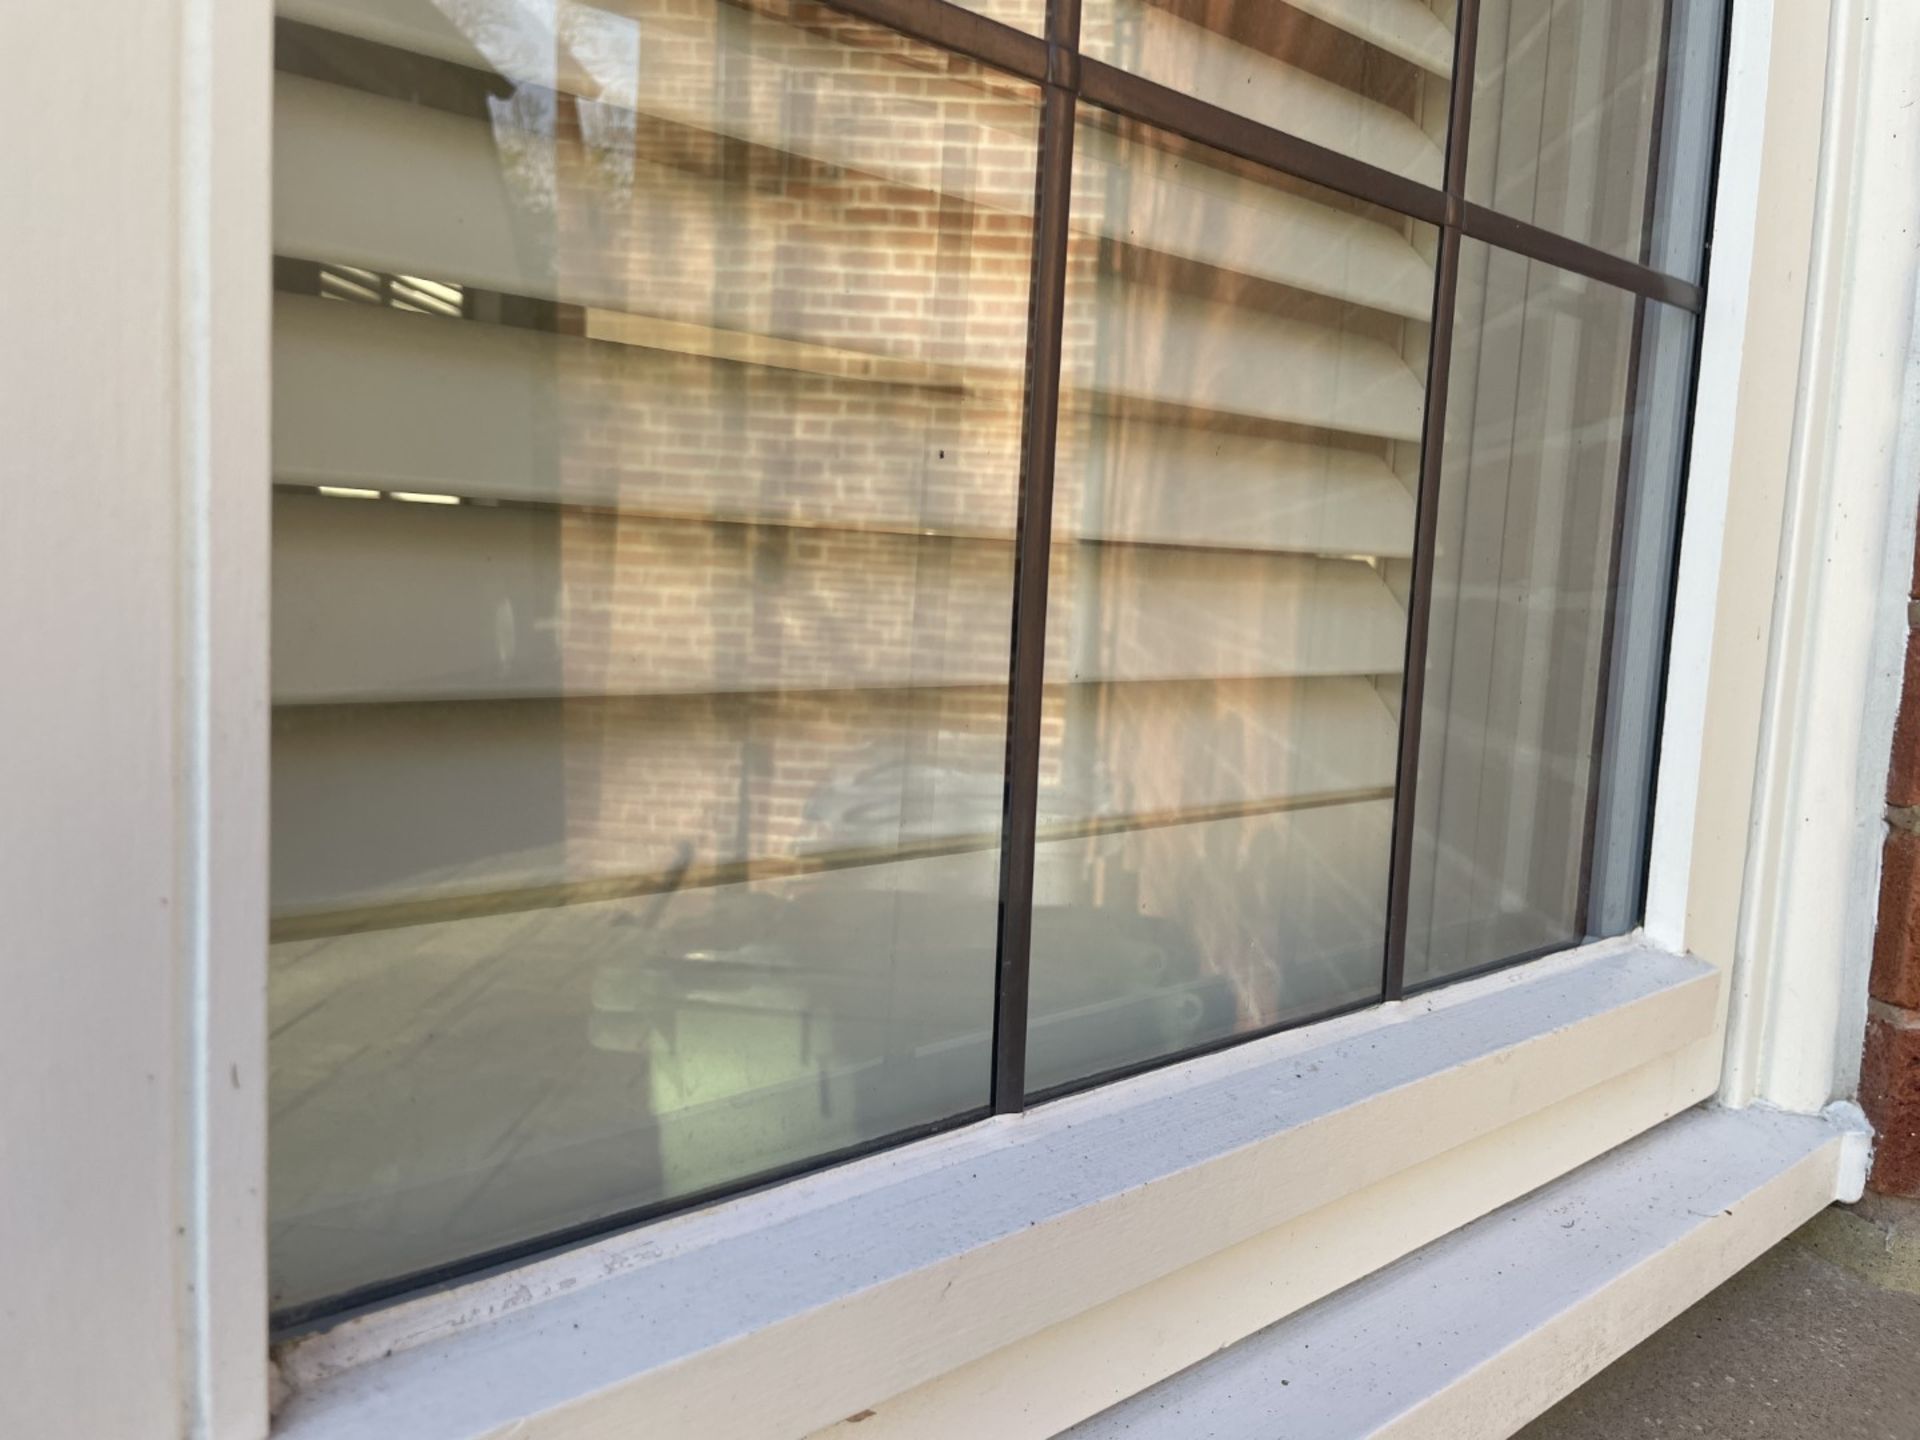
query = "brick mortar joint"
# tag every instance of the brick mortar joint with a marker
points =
(1897, 1016)
(1904, 817)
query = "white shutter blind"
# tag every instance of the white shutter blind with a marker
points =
(374, 398)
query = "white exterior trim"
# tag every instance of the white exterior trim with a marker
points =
(1839, 625)
(1723, 346)
(1804, 478)
(1563, 1282)
(1076, 1369)
(221, 699)
(1738, 478)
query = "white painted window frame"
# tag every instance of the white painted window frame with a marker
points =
(133, 555)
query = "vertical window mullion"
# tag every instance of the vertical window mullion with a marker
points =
(1427, 509)
(1046, 318)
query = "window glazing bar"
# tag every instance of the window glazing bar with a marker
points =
(1419, 614)
(1506, 233)
(1433, 430)
(1046, 319)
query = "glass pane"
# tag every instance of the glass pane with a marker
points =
(1242, 384)
(1550, 420)
(1662, 388)
(1595, 119)
(1365, 77)
(646, 469)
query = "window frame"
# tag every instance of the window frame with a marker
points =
(1785, 777)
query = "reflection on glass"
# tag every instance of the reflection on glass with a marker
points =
(1549, 415)
(647, 413)
(1242, 383)
(1365, 77)
(1595, 119)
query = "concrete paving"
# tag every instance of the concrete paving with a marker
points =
(1820, 1337)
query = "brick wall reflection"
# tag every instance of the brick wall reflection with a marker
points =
(853, 659)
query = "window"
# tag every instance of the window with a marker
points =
(843, 567)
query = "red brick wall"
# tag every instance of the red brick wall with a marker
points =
(1890, 1071)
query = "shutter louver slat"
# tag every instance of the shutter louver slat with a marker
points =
(1197, 61)
(1175, 205)
(348, 767)
(651, 60)
(1215, 357)
(1407, 28)
(385, 602)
